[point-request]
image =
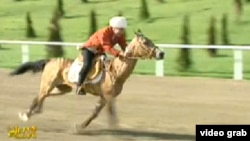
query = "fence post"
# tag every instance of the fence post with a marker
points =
(238, 65)
(159, 68)
(25, 53)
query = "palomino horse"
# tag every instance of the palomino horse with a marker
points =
(55, 75)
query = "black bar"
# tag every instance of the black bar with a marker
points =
(223, 132)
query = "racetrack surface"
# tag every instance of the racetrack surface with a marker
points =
(149, 108)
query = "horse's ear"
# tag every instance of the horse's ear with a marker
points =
(139, 30)
(136, 33)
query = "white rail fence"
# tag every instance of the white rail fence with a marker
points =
(159, 69)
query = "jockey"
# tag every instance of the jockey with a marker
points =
(100, 42)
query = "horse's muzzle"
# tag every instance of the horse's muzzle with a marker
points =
(159, 55)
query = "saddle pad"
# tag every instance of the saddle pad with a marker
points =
(74, 70)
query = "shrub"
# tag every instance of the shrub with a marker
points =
(93, 22)
(60, 7)
(184, 59)
(30, 32)
(212, 36)
(144, 12)
(55, 35)
(224, 30)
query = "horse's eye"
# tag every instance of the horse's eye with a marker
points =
(145, 41)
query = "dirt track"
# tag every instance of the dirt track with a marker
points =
(149, 108)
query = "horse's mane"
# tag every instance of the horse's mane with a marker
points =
(109, 64)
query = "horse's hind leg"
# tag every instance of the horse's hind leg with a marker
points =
(36, 106)
(63, 89)
(47, 84)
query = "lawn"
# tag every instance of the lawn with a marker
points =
(164, 26)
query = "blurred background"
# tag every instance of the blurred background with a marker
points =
(206, 22)
(149, 108)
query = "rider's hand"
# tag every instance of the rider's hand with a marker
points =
(122, 54)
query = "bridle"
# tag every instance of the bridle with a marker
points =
(131, 48)
(144, 48)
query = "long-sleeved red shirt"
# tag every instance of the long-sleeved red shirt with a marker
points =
(104, 40)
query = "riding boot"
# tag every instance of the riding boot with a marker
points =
(88, 57)
(80, 90)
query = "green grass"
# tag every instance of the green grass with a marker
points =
(163, 27)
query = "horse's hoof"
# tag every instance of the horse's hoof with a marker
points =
(113, 124)
(23, 116)
(78, 128)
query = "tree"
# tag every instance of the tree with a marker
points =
(93, 22)
(161, 1)
(144, 12)
(56, 17)
(238, 9)
(85, 1)
(30, 32)
(120, 13)
(224, 30)
(60, 7)
(212, 36)
(55, 35)
(184, 59)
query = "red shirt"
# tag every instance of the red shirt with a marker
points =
(104, 40)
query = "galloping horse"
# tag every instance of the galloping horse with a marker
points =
(55, 74)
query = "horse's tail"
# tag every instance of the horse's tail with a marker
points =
(36, 66)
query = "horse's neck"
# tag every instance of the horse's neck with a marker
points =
(123, 68)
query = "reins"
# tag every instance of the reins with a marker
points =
(128, 49)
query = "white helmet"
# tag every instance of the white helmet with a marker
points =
(118, 22)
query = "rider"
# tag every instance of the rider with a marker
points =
(100, 42)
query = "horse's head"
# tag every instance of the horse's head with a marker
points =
(143, 47)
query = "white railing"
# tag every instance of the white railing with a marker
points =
(159, 69)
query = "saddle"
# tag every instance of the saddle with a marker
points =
(95, 74)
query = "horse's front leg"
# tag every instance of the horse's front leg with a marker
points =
(99, 106)
(111, 110)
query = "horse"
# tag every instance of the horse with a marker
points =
(56, 74)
